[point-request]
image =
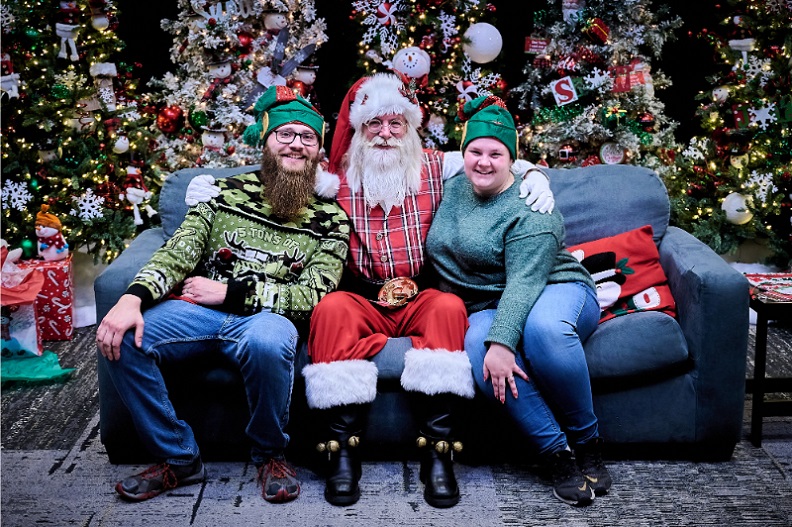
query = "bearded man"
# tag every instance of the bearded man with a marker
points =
(391, 188)
(242, 269)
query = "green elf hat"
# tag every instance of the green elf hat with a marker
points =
(277, 106)
(487, 116)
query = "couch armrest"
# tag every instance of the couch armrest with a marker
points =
(114, 280)
(712, 303)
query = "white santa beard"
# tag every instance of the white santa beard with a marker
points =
(387, 176)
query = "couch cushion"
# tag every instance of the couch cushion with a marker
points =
(641, 346)
(627, 271)
(172, 208)
(605, 200)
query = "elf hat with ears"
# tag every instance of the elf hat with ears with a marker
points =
(277, 106)
(487, 116)
(370, 97)
(45, 219)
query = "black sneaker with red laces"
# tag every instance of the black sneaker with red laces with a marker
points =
(278, 481)
(159, 478)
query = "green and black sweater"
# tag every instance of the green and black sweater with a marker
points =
(496, 248)
(285, 268)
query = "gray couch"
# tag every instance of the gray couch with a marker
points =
(662, 386)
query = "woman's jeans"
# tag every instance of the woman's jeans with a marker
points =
(263, 346)
(557, 396)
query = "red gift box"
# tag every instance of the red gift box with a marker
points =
(55, 301)
(596, 30)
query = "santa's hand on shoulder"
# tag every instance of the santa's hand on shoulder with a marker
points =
(201, 189)
(535, 188)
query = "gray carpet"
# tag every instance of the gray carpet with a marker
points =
(55, 472)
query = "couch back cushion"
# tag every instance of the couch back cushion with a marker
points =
(604, 200)
(172, 208)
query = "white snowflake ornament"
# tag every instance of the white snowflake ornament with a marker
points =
(89, 206)
(15, 195)
(764, 117)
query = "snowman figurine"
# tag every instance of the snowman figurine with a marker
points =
(51, 244)
(68, 29)
(413, 62)
(274, 21)
(303, 79)
(136, 192)
(213, 137)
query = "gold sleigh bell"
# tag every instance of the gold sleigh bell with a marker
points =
(442, 447)
(333, 446)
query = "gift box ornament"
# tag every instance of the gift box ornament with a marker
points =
(55, 302)
(18, 321)
(596, 30)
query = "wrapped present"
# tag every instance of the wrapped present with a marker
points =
(20, 287)
(596, 30)
(55, 301)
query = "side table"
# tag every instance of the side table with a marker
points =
(766, 310)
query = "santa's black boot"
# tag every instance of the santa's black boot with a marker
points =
(344, 427)
(435, 416)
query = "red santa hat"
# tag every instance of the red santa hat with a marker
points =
(370, 97)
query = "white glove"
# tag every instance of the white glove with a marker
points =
(202, 189)
(535, 187)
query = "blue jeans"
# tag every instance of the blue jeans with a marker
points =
(555, 405)
(263, 346)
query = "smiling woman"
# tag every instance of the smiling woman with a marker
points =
(531, 304)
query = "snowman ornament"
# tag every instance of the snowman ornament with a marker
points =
(50, 242)
(414, 63)
(136, 193)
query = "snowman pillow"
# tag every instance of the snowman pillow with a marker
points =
(626, 269)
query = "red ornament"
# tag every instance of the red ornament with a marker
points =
(299, 87)
(170, 119)
(245, 40)
(647, 121)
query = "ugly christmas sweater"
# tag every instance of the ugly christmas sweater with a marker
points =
(485, 249)
(270, 265)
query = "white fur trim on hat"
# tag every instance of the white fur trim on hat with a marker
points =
(433, 371)
(329, 384)
(327, 183)
(381, 95)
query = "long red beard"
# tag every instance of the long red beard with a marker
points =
(288, 191)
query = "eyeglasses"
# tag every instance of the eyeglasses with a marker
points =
(375, 126)
(286, 137)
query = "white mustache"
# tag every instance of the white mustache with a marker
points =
(381, 141)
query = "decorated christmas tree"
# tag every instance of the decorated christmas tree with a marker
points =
(444, 48)
(590, 92)
(734, 182)
(74, 141)
(227, 53)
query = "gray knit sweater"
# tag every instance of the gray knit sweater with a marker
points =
(485, 249)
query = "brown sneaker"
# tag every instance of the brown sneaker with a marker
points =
(278, 481)
(159, 478)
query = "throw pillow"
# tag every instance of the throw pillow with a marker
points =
(626, 269)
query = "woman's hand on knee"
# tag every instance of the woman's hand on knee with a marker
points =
(501, 365)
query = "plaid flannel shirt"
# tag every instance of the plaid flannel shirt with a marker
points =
(383, 247)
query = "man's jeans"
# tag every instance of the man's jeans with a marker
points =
(557, 396)
(263, 346)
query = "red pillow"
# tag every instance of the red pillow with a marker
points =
(626, 269)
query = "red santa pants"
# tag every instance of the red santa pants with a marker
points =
(346, 326)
